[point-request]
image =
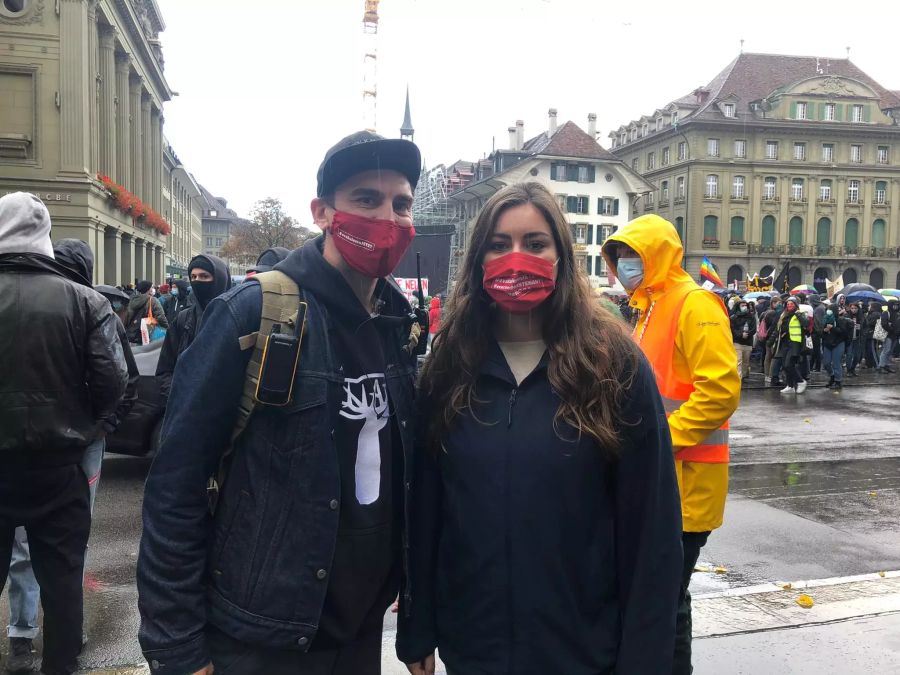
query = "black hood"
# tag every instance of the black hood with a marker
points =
(309, 269)
(78, 259)
(183, 286)
(269, 258)
(221, 275)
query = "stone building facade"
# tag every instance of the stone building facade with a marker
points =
(82, 91)
(779, 159)
(183, 206)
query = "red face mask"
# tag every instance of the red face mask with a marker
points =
(519, 282)
(371, 246)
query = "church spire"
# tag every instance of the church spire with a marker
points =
(407, 131)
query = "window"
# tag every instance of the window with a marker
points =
(737, 188)
(801, 111)
(880, 192)
(728, 109)
(649, 199)
(588, 265)
(768, 231)
(580, 232)
(607, 206)
(823, 235)
(827, 152)
(853, 191)
(856, 154)
(209, 241)
(665, 157)
(674, 118)
(213, 213)
(797, 190)
(562, 202)
(218, 242)
(651, 160)
(679, 227)
(590, 234)
(737, 229)
(710, 229)
(558, 171)
(679, 188)
(682, 151)
(771, 149)
(740, 149)
(645, 129)
(634, 164)
(586, 174)
(13, 8)
(664, 193)
(577, 205)
(883, 156)
(712, 186)
(583, 205)
(829, 112)
(851, 235)
(857, 113)
(623, 138)
(825, 190)
(712, 147)
(878, 235)
(769, 188)
(795, 231)
(800, 151)
(659, 123)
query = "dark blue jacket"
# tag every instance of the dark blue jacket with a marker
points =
(534, 552)
(259, 571)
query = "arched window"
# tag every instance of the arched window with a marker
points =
(795, 232)
(878, 234)
(795, 277)
(737, 229)
(851, 237)
(850, 276)
(823, 236)
(768, 231)
(679, 227)
(735, 273)
(711, 228)
(876, 278)
(821, 275)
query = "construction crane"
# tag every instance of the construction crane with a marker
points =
(370, 65)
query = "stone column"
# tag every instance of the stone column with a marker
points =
(754, 234)
(112, 244)
(811, 197)
(123, 121)
(74, 87)
(94, 82)
(146, 186)
(161, 264)
(108, 129)
(156, 122)
(893, 220)
(137, 146)
(140, 259)
(151, 263)
(126, 274)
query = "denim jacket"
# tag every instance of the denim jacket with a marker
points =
(259, 570)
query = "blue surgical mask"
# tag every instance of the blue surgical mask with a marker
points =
(630, 271)
(174, 292)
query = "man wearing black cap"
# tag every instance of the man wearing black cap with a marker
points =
(209, 278)
(268, 259)
(306, 548)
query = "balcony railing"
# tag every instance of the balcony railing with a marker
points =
(772, 198)
(712, 198)
(829, 201)
(710, 243)
(739, 198)
(737, 243)
(680, 200)
(881, 204)
(760, 249)
(663, 202)
(798, 200)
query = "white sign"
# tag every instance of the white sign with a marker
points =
(708, 285)
(410, 287)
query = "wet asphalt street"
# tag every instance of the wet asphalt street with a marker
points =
(815, 493)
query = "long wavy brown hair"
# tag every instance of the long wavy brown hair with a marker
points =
(592, 357)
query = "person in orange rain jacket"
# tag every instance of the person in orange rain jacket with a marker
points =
(685, 333)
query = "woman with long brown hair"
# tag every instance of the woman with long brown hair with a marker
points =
(546, 520)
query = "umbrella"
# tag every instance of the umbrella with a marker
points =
(865, 296)
(804, 288)
(850, 289)
(758, 294)
(111, 292)
(895, 292)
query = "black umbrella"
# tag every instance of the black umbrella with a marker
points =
(850, 289)
(111, 292)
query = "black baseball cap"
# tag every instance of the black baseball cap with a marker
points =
(365, 151)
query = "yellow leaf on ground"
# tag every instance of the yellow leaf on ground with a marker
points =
(720, 570)
(881, 574)
(805, 601)
(808, 421)
(702, 568)
(788, 586)
(873, 494)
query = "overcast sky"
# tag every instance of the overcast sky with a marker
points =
(266, 87)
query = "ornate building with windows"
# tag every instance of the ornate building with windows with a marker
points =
(778, 159)
(81, 95)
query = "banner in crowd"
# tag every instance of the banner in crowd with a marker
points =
(410, 287)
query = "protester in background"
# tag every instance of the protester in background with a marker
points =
(789, 336)
(165, 297)
(815, 362)
(209, 279)
(434, 318)
(268, 259)
(743, 330)
(180, 291)
(523, 342)
(684, 332)
(138, 309)
(872, 317)
(854, 341)
(890, 321)
(771, 364)
(836, 331)
(63, 376)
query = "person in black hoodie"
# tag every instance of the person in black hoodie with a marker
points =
(137, 310)
(268, 259)
(837, 330)
(872, 317)
(308, 541)
(547, 527)
(209, 278)
(743, 330)
(63, 374)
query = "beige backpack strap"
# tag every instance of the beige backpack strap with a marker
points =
(280, 303)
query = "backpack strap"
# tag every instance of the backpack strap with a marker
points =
(281, 302)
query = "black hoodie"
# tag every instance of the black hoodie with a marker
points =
(187, 323)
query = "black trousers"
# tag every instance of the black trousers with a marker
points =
(816, 358)
(232, 657)
(54, 506)
(691, 542)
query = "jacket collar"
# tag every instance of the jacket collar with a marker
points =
(496, 366)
